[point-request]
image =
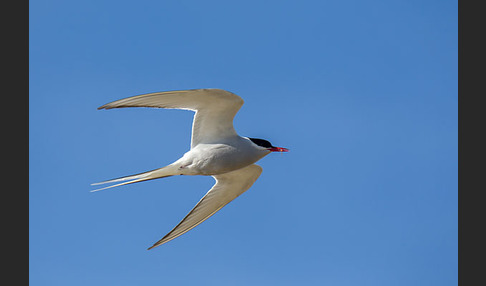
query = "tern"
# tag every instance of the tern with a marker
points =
(216, 150)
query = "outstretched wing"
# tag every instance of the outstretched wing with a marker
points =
(227, 188)
(215, 110)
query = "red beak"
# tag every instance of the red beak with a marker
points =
(278, 149)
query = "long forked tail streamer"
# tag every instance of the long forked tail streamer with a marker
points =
(150, 175)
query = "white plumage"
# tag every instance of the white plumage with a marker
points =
(216, 150)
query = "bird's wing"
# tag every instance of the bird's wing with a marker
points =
(227, 188)
(215, 110)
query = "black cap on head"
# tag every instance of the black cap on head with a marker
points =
(261, 142)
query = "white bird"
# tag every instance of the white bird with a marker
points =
(216, 150)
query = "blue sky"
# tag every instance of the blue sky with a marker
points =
(363, 93)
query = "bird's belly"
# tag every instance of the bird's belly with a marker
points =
(224, 164)
(219, 160)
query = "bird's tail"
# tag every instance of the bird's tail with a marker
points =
(166, 171)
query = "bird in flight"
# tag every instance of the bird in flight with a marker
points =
(216, 150)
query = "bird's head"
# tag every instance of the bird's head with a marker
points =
(267, 145)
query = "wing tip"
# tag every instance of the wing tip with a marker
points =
(155, 245)
(105, 106)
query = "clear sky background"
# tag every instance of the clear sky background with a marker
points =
(363, 93)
